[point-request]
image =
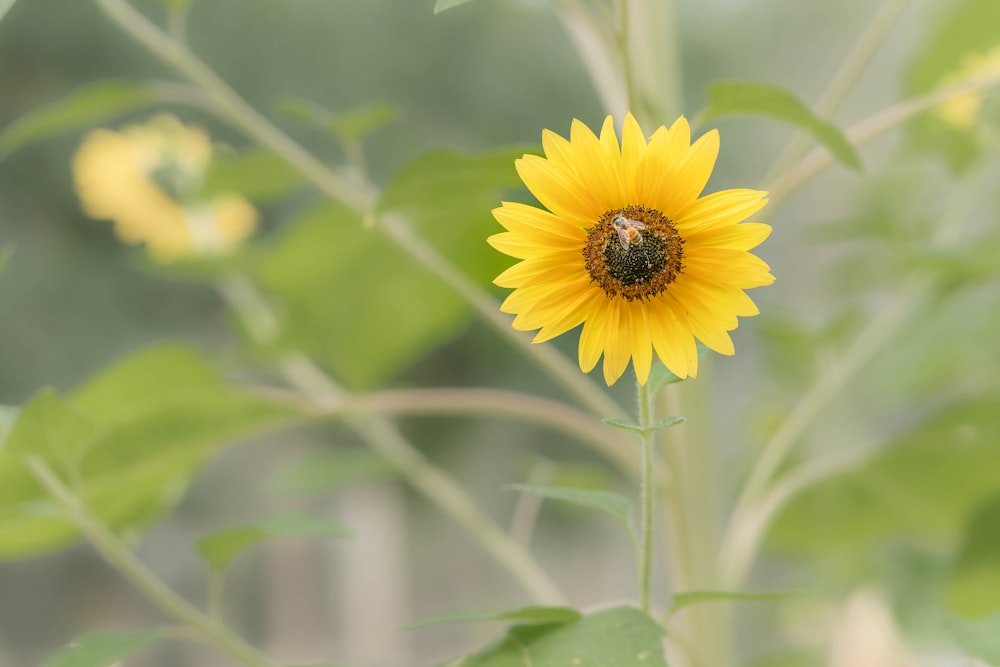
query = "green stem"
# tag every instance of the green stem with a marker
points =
(481, 401)
(590, 37)
(300, 372)
(358, 196)
(692, 504)
(121, 558)
(653, 59)
(647, 494)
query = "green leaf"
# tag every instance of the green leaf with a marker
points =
(523, 616)
(85, 106)
(327, 470)
(963, 32)
(623, 637)
(102, 650)
(258, 174)
(220, 548)
(920, 486)
(689, 598)
(5, 6)
(666, 422)
(974, 587)
(50, 427)
(660, 376)
(442, 5)
(138, 433)
(346, 288)
(739, 97)
(610, 503)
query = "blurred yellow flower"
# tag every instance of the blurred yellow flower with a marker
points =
(630, 249)
(962, 111)
(148, 178)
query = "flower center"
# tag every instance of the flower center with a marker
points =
(633, 252)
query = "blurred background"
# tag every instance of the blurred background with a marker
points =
(486, 76)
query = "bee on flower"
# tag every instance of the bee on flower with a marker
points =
(629, 247)
(148, 180)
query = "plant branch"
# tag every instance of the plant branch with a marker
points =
(481, 401)
(122, 559)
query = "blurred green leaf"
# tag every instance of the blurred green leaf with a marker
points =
(102, 650)
(666, 422)
(524, 616)
(360, 305)
(613, 504)
(220, 548)
(134, 437)
(327, 470)
(85, 106)
(5, 6)
(740, 97)
(659, 377)
(258, 174)
(623, 637)
(921, 485)
(52, 428)
(965, 30)
(442, 5)
(689, 598)
(974, 587)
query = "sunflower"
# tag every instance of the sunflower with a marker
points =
(630, 249)
(148, 179)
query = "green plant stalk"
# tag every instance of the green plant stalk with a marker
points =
(692, 499)
(647, 494)
(591, 38)
(484, 402)
(651, 49)
(301, 372)
(359, 196)
(122, 559)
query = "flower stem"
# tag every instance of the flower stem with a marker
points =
(647, 494)
(479, 401)
(121, 558)
(692, 505)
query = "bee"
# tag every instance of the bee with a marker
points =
(628, 231)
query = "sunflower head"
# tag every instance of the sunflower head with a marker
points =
(629, 247)
(148, 179)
